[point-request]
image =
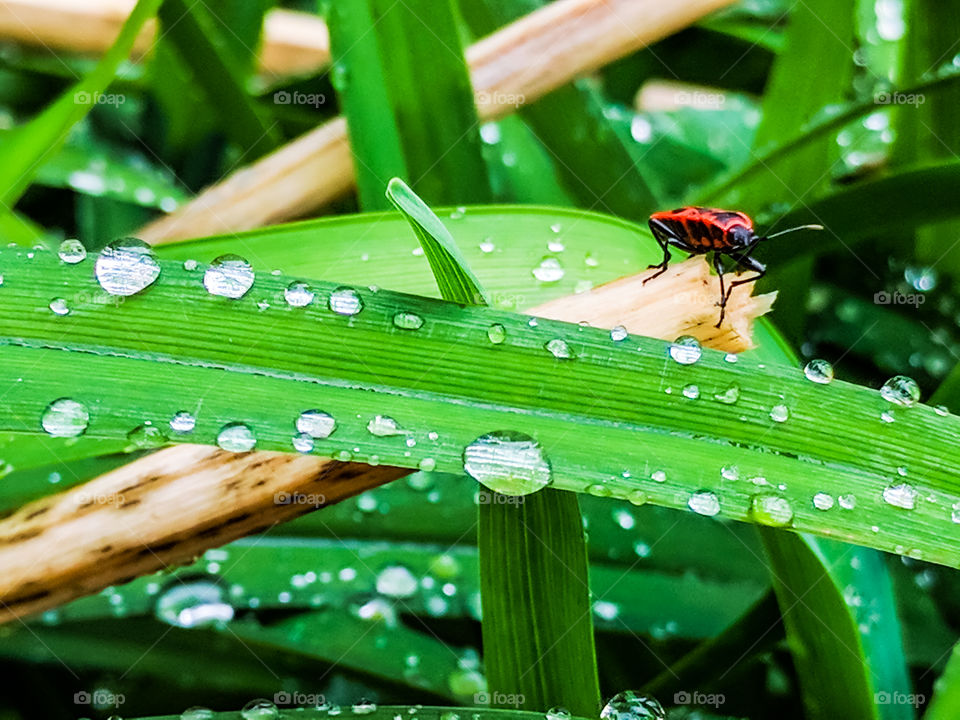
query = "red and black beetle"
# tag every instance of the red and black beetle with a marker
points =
(700, 230)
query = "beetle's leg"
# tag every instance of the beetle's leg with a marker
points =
(662, 234)
(746, 262)
(718, 266)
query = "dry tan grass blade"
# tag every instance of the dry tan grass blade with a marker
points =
(294, 42)
(171, 506)
(511, 67)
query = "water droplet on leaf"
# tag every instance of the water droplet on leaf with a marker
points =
(127, 266)
(507, 462)
(229, 276)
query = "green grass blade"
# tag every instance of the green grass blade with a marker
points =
(945, 704)
(106, 356)
(533, 570)
(455, 279)
(400, 124)
(193, 32)
(526, 553)
(24, 149)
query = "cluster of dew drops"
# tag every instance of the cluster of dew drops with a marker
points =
(511, 463)
(626, 705)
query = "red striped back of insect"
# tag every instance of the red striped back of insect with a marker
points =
(704, 228)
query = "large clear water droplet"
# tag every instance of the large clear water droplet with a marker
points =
(507, 462)
(704, 502)
(685, 350)
(316, 423)
(72, 251)
(298, 294)
(229, 276)
(193, 604)
(901, 495)
(619, 333)
(550, 270)
(65, 418)
(819, 371)
(396, 581)
(771, 510)
(823, 501)
(345, 301)
(630, 705)
(127, 266)
(236, 437)
(901, 390)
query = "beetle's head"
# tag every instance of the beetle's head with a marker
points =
(741, 235)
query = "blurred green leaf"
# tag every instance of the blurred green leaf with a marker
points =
(23, 149)
(400, 124)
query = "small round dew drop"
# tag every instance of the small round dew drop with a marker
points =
(779, 413)
(72, 251)
(619, 333)
(58, 306)
(823, 501)
(407, 321)
(127, 266)
(259, 710)
(507, 462)
(771, 510)
(901, 495)
(229, 276)
(901, 390)
(955, 512)
(819, 371)
(704, 502)
(298, 294)
(848, 501)
(685, 350)
(560, 349)
(236, 437)
(691, 391)
(65, 418)
(316, 423)
(303, 443)
(345, 301)
(183, 422)
(496, 333)
(728, 396)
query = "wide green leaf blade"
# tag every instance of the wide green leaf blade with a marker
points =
(447, 377)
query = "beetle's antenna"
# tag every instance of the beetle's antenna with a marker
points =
(790, 230)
